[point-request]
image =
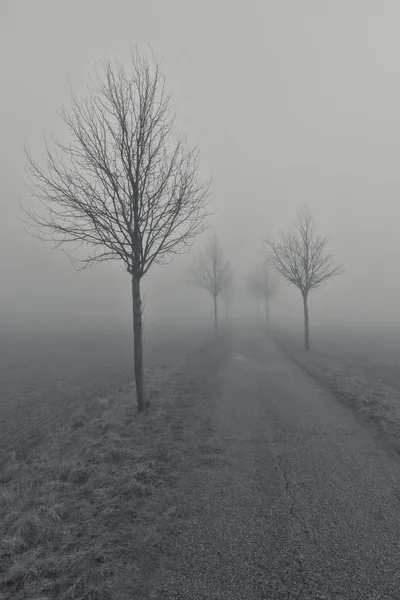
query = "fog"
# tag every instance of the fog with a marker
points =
(288, 101)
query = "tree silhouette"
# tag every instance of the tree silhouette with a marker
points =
(125, 185)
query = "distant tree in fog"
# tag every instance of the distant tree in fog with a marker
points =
(262, 285)
(253, 285)
(301, 258)
(124, 185)
(227, 295)
(212, 273)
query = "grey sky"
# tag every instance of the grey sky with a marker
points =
(288, 101)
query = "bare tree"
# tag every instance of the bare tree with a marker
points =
(302, 259)
(125, 185)
(211, 272)
(262, 285)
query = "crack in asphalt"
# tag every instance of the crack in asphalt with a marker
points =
(295, 433)
(307, 581)
(293, 499)
(289, 494)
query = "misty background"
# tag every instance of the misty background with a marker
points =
(288, 101)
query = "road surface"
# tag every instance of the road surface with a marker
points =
(302, 502)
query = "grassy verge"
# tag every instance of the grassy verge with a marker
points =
(88, 515)
(369, 390)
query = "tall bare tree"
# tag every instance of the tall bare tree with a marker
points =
(302, 259)
(212, 273)
(124, 185)
(262, 285)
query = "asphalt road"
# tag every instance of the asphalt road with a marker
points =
(302, 502)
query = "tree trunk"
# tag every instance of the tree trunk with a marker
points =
(266, 310)
(215, 314)
(226, 309)
(306, 322)
(138, 344)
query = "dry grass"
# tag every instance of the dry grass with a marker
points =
(46, 376)
(87, 516)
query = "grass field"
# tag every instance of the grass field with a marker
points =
(85, 514)
(47, 375)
